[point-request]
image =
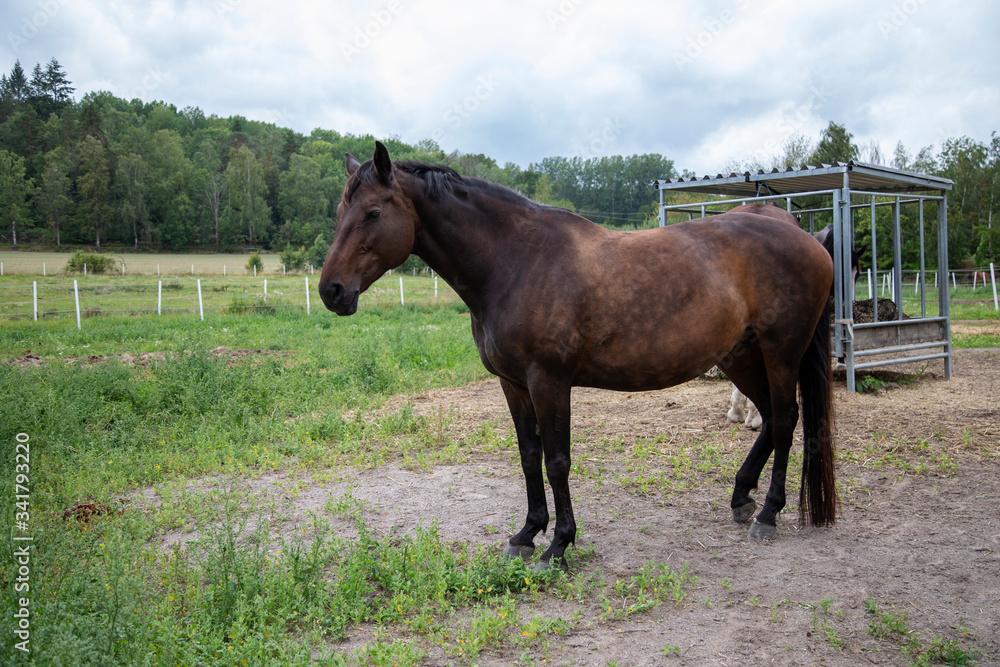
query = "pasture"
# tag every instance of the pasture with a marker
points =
(165, 264)
(271, 488)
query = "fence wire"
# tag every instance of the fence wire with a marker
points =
(55, 297)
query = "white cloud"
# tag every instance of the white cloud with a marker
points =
(701, 82)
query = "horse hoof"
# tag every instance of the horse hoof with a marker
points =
(514, 551)
(762, 532)
(744, 513)
(544, 565)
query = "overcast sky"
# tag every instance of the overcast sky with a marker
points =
(704, 83)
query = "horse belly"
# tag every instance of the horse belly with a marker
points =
(662, 353)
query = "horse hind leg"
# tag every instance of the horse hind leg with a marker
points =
(737, 406)
(742, 409)
(784, 415)
(753, 420)
(749, 376)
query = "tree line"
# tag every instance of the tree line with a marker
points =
(974, 167)
(104, 171)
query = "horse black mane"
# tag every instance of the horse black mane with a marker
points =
(439, 179)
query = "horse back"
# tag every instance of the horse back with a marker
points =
(653, 308)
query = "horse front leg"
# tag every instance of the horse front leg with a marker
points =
(529, 442)
(551, 400)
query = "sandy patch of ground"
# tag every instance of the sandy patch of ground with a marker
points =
(920, 535)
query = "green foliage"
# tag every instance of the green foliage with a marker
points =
(146, 174)
(254, 264)
(834, 145)
(294, 260)
(869, 384)
(94, 262)
(248, 210)
(257, 305)
(892, 626)
(316, 254)
(15, 191)
(654, 585)
(613, 190)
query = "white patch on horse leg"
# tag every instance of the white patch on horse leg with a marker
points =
(754, 420)
(737, 410)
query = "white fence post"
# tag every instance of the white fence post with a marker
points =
(436, 285)
(869, 283)
(993, 277)
(401, 291)
(265, 289)
(307, 295)
(123, 268)
(76, 297)
(201, 309)
(159, 296)
(84, 269)
(34, 297)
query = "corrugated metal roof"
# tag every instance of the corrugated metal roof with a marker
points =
(860, 176)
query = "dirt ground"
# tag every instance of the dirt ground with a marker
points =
(918, 533)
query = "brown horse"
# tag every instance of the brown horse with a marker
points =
(557, 301)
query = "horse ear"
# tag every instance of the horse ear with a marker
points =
(351, 163)
(383, 165)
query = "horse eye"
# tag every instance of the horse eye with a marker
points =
(373, 214)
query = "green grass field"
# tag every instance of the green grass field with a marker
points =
(243, 591)
(148, 295)
(103, 593)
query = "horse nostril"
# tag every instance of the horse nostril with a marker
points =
(330, 291)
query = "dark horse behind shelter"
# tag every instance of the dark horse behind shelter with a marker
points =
(557, 301)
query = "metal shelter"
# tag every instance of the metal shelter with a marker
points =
(851, 188)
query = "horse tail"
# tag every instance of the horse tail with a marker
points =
(818, 494)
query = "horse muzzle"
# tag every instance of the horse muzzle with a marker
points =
(338, 298)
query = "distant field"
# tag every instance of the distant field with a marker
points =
(135, 294)
(35, 263)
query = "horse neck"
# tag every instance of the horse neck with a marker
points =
(461, 235)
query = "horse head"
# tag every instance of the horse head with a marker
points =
(375, 231)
